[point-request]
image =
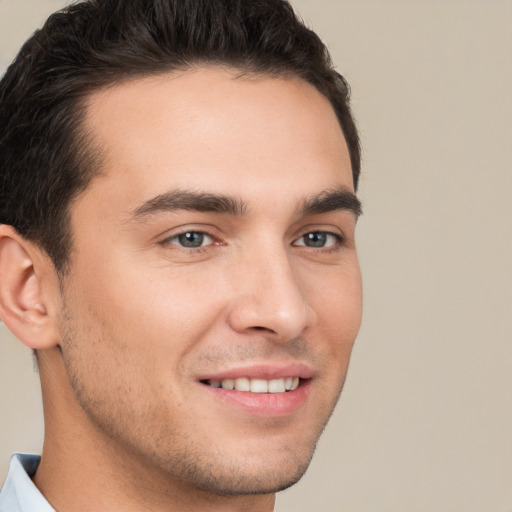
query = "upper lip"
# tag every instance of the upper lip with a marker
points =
(262, 371)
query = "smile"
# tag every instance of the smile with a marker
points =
(255, 385)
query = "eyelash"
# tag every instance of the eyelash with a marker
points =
(191, 250)
(339, 241)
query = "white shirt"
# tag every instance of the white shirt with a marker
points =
(19, 493)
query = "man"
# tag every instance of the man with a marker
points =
(177, 245)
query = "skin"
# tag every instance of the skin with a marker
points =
(139, 318)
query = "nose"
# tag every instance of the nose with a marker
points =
(269, 296)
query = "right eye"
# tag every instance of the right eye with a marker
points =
(191, 239)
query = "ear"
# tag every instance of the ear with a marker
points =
(28, 289)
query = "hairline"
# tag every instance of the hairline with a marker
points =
(94, 155)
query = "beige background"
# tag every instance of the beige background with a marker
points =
(425, 422)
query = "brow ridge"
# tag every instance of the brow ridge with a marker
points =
(332, 200)
(327, 201)
(190, 200)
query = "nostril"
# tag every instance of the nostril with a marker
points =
(260, 328)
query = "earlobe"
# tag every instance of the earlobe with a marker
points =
(23, 307)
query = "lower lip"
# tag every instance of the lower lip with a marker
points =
(275, 405)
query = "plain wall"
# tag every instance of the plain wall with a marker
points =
(425, 420)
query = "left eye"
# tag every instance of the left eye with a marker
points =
(191, 239)
(318, 240)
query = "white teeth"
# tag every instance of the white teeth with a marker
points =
(258, 385)
(242, 384)
(276, 386)
(228, 384)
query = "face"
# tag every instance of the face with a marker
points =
(214, 291)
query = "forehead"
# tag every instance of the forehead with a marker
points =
(211, 128)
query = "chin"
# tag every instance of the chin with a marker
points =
(252, 483)
(250, 476)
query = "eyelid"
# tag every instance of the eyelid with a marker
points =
(206, 235)
(167, 239)
(327, 228)
(339, 239)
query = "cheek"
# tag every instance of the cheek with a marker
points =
(155, 311)
(339, 308)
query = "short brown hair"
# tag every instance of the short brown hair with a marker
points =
(46, 159)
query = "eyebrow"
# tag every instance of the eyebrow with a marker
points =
(193, 201)
(332, 200)
(328, 201)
